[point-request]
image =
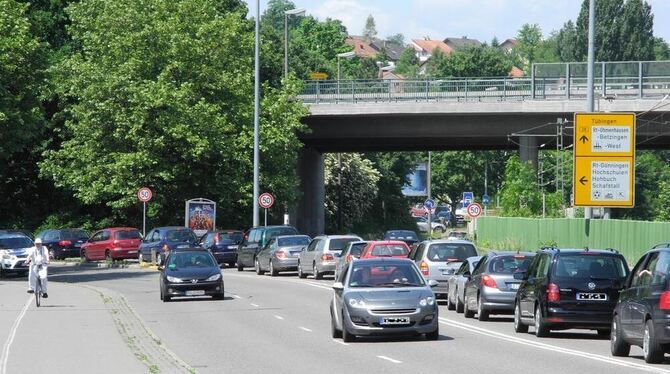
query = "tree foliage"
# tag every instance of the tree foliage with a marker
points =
(370, 30)
(520, 195)
(471, 61)
(408, 64)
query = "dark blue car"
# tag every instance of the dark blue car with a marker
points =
(165, 239)
(223, 245)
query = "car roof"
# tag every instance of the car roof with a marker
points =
(509, 253)
(380, 242)
(382, 261)
(226, 231)
(13, 234)
(449, 241)
(118, 228)
(190, 249)
(171, 228)
(347, 236)
(272, 227)
(609, 251)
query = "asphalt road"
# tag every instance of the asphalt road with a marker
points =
(275, 325)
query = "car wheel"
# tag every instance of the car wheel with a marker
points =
(433, 335)
(347, 337)
(52, 254)
(466, 309)
(84, 258)
(161, 293)
(450, 305)
(604, 332)
(618, 345)
(518, 324)
(140, 259)
(653, 351)
(482, 315)
(239, 266)
(108, 256)
(541, 328)
(459, 304)
(334, 332)
(231, 264)
(257, 267)
(219, 296)
(273, 272)
(316, 273)
(300, 272)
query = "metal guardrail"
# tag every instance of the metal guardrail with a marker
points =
(627, 80)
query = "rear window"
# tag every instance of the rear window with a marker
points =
(74, 234)
(590, 266)
(390, 250)
(450, 252)
(180, 236)
(15, 241)
(375, 275)
(235, 236)
(339, 244)
(510, 264)
(127, 234)
(280, 231)
(293, 241)
(356, 249)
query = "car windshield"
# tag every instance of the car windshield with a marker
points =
(510, 264)
(183, 260)
(13, 242)
(380, 275)
(293, 241)
(74, 234)
(340, 243)
(235, 236)
(589, 266)
(450, 252)
(181, 235)
(401, 235)
(127, 234)
(382, 250)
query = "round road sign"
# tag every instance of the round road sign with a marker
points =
(144, 194)
(265, 200)
(474, 210)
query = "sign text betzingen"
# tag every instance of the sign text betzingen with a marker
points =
(604, 162)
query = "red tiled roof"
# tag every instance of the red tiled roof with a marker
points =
(361, 47)
(430, 45)
(515, 72)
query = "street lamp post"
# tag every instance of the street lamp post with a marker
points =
(257, 68)
(292, 12)
(342, 55)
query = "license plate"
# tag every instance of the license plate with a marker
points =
(195, 293)
(514, 286)
(183, 246)
(132, 252)
(394, 320)
(592, 296)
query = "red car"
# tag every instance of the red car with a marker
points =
(386, 248)
(113, 244)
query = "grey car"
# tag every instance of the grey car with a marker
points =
(280, 254)
(456, 284)
(492, 288)
(439, 259)
(351, 251)
(320, 256)
(383, 296)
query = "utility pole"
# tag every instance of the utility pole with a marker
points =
(430, 214)
(257, 68)
(588, 211)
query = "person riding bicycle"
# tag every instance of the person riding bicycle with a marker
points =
(37, 256)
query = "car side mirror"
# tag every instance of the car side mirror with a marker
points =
(520, 275)
(432, 283)
(338, 286)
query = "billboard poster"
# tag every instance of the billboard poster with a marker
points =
(417, 181)
(200, 215)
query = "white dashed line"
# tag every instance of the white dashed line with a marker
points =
(390, 359)
(340, 342)
(305, 329)
(278, 317)
(254, 305)
(237, 296)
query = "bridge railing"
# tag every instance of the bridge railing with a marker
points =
(612, 80)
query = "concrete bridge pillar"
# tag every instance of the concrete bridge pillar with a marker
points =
(311, 213)
(528, 150)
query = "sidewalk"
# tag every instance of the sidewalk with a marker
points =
(72, 332)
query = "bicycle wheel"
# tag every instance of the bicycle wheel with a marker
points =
(38, 291)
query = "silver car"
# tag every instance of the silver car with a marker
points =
(351, 251)
(439, 259)
(456, 284)
(280, 254)
(492, 288)
(320, 256)
(383, 296)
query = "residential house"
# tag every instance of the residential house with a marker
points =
(508, 45)
(370, 49)
(459, 43)
(424, 48)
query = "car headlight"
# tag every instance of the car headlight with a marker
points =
(357, 303)
(427, 301)
(174, 279)
(6, 257)
(214, 277)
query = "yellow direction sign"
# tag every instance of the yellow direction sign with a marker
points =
(604, 162)
(318, 75)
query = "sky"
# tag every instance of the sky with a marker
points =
(438, 19)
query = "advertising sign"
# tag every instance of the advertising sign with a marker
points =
(200, 215)
(418, 181)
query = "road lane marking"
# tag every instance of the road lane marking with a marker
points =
(548, 347)
(279, 317)
(254, 305)
(305, 329)
(340, 342)
(237, 296)
(390, 359)
(10, 338)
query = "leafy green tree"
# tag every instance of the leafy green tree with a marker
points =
(494, 42)
(661, 49)
(273, 16)
(521, 196)
(472, 61)
(408, 64)
(370, 30)
(530, 43)
(166, 102)
(637, 25)
(397, 39)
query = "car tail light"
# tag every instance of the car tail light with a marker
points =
(664, 302)
(349, 258)
(424, 268)
(64, 243)
(488, 281)
(327, 257)
(280, 254)
(553, 293)
(216, 239)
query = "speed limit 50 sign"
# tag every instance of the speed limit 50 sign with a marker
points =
(266, 200)
(144, 194)
(474, 210)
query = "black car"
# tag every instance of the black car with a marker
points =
(256, 239)
(223, 245)
(190, 272)
(63, 243)
(642, 315)
(408, 236)
(569, 288)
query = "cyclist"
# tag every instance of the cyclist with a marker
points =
(37, 255)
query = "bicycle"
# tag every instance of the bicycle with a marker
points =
(38, 286)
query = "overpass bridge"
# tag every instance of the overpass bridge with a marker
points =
(470, 114)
